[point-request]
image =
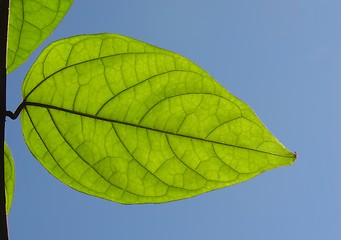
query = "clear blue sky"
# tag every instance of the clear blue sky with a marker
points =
(282, 57)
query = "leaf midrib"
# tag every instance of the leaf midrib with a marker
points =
(46, 106)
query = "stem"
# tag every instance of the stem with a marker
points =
(15, 115)
(4, 12)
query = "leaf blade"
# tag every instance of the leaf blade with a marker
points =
(164, 128)
(31, 22)
(9, 178)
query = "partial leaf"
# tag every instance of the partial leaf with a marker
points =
(31, 22)
(123, 120)
(9, 178)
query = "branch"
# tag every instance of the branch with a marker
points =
(4, 12)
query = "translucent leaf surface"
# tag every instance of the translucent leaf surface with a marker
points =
(9, 178)
(126, 121)
(31, 22)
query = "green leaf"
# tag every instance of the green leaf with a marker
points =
(9, 178)
(123, 120)
(31, 22)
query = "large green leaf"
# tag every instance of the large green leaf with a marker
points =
(31, 22)
(9, 178)
(126, 121)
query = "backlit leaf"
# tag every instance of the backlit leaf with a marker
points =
(31, 22)
(9, 178)
(123, 120)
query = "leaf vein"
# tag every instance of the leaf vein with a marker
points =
(34, 104)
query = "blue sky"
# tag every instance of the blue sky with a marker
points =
(281, 57)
